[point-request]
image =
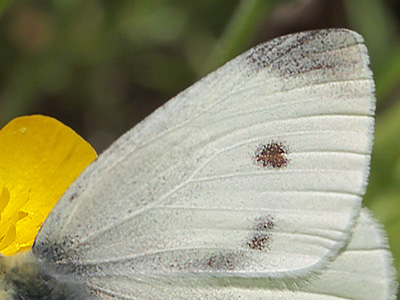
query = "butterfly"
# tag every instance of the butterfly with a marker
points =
(247, 185)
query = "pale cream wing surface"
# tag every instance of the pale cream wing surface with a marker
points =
(257, 170)
(364, 271)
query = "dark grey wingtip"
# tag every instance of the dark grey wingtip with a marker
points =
(297, 53)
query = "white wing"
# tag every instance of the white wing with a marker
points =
(364, 271)
(258, 170)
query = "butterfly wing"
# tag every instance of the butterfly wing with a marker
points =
(257, 170)
(364, 271)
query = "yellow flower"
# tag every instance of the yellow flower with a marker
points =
(39, 158)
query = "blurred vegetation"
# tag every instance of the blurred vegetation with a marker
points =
(102, 66)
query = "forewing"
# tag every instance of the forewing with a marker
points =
(257, 170)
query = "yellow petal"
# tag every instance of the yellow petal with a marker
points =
(39, 158)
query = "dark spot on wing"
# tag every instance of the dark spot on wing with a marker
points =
(272, 155)
(261, 238)
(222, 262)
(73, 196)
(216, 262)
(259, 241)
(265, 223)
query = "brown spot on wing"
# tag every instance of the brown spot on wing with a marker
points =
(259, 241)
(261, 238)
(273, 155)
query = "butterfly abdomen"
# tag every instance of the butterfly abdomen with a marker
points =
(22, 278)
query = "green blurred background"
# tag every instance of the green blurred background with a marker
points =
(102, 66)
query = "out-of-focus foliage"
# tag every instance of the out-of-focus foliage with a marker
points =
(102, 66)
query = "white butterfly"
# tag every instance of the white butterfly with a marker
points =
(248, 185)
